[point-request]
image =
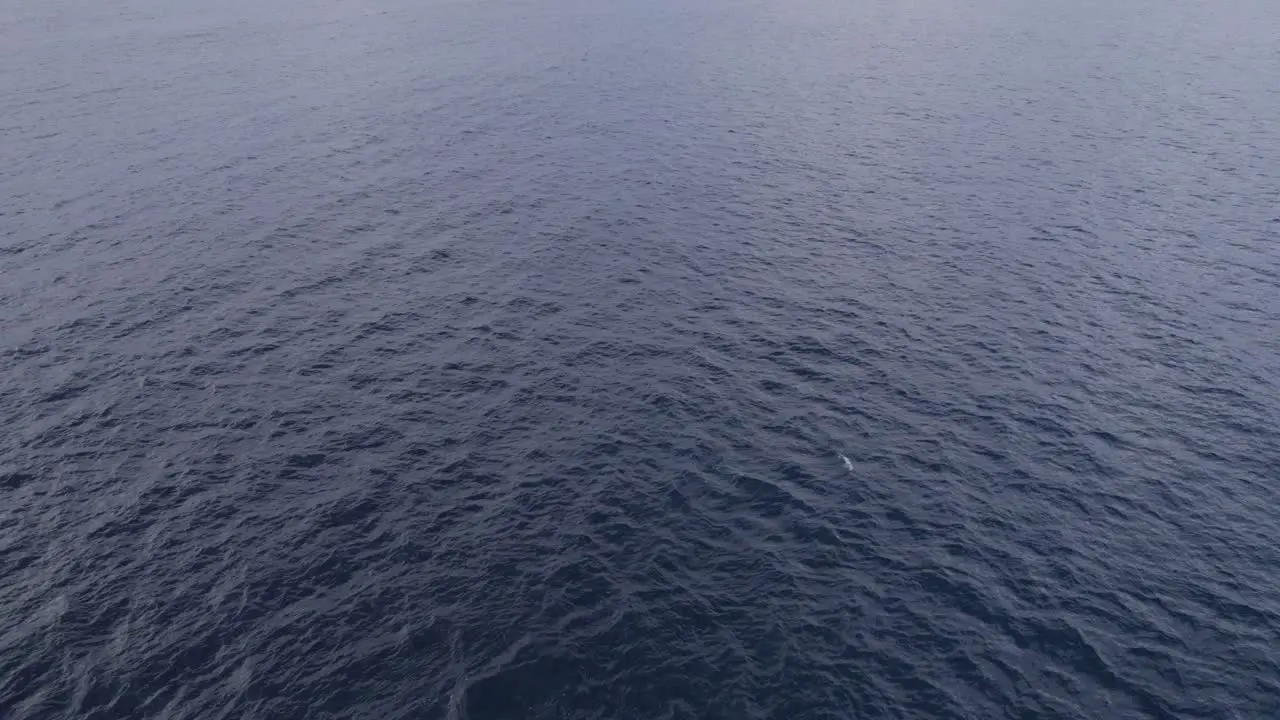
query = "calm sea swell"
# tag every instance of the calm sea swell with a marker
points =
(392, 359)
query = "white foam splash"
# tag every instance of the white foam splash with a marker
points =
(847, 464)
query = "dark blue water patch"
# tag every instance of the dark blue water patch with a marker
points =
(517, 360)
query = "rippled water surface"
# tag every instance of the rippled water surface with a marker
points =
(576, 359)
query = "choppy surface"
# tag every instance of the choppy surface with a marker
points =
(388, 359)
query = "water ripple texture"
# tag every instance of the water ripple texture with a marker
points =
(573, 360)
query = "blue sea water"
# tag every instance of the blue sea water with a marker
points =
(576, 359)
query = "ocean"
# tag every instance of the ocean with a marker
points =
(577, 360)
